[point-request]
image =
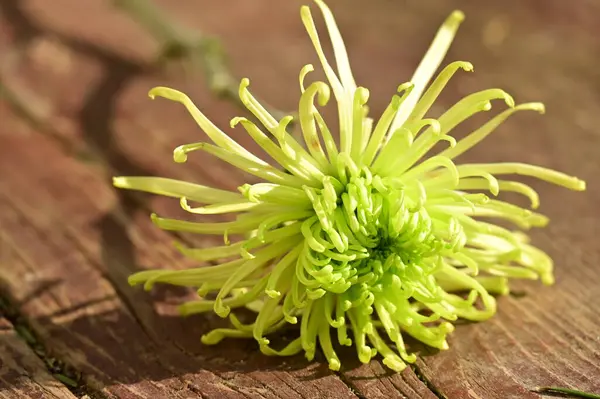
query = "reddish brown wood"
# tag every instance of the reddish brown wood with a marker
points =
(75, 256)
(22, 373)
(71, 240)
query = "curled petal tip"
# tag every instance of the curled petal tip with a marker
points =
(456, 17)
(212, 338)
(235, 121)
(394, 363)
(286, 120)
(547, 279)
(154, 217)
(448, 328)
(405, 86)
(153, 91)
(306, 69)
(133, 280)
(467, 66)
(365, 354)
(244, 189)
(221, 310)
(346, 305)
(538, 107)
(409, 358)
(436, 126)
(334, 364)
(166, 92)
(273, 293)
(184, 204)
(179, 154)
(509, 100)
(363, 92)
(340, 321)
(315, 293)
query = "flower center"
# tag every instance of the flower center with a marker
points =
(368, 233)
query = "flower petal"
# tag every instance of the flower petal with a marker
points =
(216, 135)
(176, 189)
(429, 64)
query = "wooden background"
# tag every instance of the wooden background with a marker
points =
(71, 326)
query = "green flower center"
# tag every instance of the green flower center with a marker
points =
(368, 234)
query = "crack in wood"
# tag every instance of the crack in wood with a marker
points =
(435, 390)
(350, 385)
(68, 375)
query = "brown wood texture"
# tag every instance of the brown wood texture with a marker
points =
(68, 240)
(22, 373)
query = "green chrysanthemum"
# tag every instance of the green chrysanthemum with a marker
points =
(368, 237)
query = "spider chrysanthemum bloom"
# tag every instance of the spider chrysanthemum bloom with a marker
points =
(368, 240)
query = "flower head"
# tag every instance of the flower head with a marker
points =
(368, 240)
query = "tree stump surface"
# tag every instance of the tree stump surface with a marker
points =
(71, 326)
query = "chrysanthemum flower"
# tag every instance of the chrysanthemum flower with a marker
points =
(369, 240)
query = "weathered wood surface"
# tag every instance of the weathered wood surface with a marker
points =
(22, 373)
(68, 240)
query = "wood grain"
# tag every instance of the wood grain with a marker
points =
(22, 373)
(68, 240)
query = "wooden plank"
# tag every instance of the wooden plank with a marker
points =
(544, 335)
(527, 344)
(110, 246)
(121, 345)
(155, 159)
(22, 373)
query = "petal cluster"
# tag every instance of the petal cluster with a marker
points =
(359, 241)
